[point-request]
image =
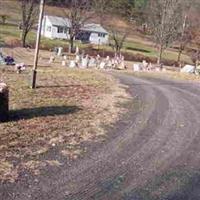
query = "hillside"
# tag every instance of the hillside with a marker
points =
(136, 43)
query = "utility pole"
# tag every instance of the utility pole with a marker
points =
(34, 72)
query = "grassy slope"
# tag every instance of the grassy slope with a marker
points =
(134, 44)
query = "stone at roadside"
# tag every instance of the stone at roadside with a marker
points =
(4, 102)
(188, 69)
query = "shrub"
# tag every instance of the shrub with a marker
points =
(4, 18)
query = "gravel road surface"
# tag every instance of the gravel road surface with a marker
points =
(153, 152)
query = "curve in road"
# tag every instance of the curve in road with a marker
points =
(155, 155)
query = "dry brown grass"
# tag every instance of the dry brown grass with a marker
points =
(176, 75)
(68, 108)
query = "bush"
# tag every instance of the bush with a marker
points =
(4, 18)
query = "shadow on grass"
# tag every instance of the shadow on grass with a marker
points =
(58, 86)
(29, 113)
(138, 49)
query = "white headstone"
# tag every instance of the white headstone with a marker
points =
(77, 50)
(102, 65)
(60, 51)
(136, 67)
(72, 64)
(188, 69)
(63, 63)
(84, 63)
(78, 58)
(92, 62)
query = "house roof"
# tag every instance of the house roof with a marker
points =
(94, 28)
(59, 21)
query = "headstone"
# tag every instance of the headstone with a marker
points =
(63, 63)
(102, 65)
(4, 102)
(122, 65)
(85, 62)
(109, 64)
(78, 59)
(51, 59)
(98, 61)
(136, 67)
(60, 51)
(77, 50)
(72, 64)
(145, 64)
(2, 62)
(188, 69)
(92, 62)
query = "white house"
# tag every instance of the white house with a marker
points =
(58, 28)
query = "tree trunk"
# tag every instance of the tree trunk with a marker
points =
(4, 102)
(179, 55)
(160, 55)
(71, 44)
(117, 50)
(23, 38)
(197, 60)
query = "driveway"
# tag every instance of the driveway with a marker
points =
(153, 152)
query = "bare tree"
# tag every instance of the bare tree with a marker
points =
(117, 40)
(185, 38)
(78, 13)
(164, 21)
(194, 18)
(101, 8)
(29, 16)
(196, 41)
(4, 18)
(186, 30)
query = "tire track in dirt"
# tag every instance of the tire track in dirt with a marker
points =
(157, 136)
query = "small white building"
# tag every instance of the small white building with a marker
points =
(58, 28)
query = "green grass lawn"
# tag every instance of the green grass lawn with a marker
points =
(7, 32)
(147, 50)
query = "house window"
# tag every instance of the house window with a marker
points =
(66, 30)
(60, 29)
(101, 34)
(49, 28)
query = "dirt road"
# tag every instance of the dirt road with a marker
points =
(153, 152)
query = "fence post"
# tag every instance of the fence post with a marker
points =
(4, 102)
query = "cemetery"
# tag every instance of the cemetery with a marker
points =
(99, 99)
(68, 106)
